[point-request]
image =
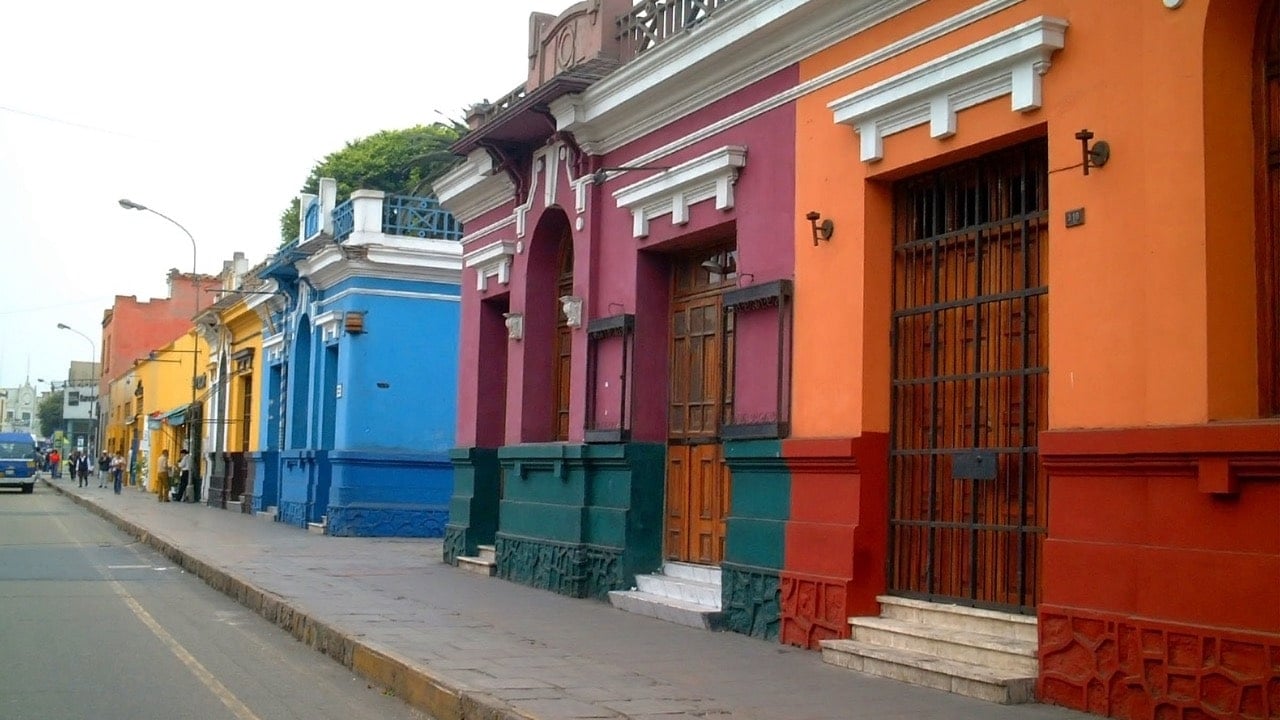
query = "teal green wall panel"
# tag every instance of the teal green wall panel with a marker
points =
(759, 506)
(473, 508)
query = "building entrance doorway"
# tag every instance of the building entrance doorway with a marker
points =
(700, 398)
(968, 499)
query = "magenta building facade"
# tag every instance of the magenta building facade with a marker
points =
(625, 349)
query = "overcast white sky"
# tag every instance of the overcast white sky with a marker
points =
(212, 114)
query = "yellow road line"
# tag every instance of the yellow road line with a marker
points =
(202, 674)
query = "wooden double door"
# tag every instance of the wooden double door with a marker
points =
(700, 398)
(968, 498)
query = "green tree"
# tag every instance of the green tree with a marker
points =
(402, 162)
(49, 411)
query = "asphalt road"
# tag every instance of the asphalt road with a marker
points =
(95, 626)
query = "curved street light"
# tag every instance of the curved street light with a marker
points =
(195, 340)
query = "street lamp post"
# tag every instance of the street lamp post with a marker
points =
(93, 409)
(195, 343)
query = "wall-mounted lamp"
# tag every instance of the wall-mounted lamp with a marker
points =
(353, 322)
(712, 266)
(746, 278)
(572, 307)
(1095, 155)
(600, 176)
(617, 307)
(821, 230)
(515, 325)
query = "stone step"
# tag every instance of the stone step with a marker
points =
(669, 609)
(677, 588)
(709, 574)
(268, 514)
(959, 617)
(993, 651)
(976, 681)
(487, 553)
(477, 565)
(318, 528)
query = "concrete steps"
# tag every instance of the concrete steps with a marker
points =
(484, 563)
(320, 527)
(681, 593)
(983, 654)
(267, 514)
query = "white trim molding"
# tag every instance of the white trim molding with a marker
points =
(1007, 63)
(474, 188)
(327, 323)
(683, 75)
(491, 261)
(273, 347)
(710, 176)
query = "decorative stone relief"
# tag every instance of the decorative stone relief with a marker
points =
(455, 543)
(515, 325)
(1145, 670)
(812, 610)
(751, 601)
(602, 572)
(572, 307)
(540, 564)
(385, 521)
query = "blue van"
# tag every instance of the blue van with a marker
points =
(18, 460)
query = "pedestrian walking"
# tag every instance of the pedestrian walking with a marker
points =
(104, 464)
(55, 463)
(116, 466)
(163, 470)
(82, 469)
(184, 468)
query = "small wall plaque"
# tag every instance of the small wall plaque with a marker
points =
(973, 465)
(1075, 217)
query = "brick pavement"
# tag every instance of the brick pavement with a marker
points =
(461, 645)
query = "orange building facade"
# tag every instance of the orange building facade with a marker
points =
(1047, 308)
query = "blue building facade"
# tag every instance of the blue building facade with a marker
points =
(361, 364)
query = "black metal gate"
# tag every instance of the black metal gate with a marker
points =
(968, 500)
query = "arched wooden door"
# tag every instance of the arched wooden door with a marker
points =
(564, 338)
(701, 340)
(968, 499)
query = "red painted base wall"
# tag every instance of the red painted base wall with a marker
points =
(836, 535)
(1161, 594)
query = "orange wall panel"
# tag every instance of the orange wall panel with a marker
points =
(1159, 275)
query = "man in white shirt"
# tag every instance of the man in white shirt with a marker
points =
(184, 467)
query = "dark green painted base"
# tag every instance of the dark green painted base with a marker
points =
(574, 570)
(473, 509)
(580, 520)
(751, 601)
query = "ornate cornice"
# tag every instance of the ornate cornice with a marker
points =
(1007, 63)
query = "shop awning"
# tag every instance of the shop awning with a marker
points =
(176, 416)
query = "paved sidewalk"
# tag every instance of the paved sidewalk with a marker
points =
(460, 645)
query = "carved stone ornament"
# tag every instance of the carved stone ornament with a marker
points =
(515, 325)
(572, 306)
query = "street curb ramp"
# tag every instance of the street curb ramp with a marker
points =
(439, 696)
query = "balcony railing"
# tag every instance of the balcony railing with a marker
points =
(418, 217)
(344, 220)
(653, 22)
(408, 215)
